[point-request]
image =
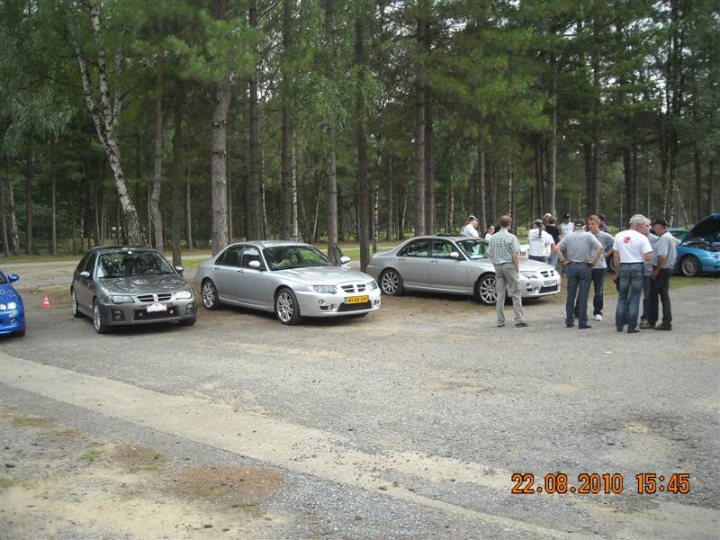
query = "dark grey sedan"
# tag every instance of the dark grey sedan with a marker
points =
(126, 285)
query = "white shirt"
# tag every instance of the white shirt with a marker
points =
(631, 245)
(540, 243)
(488, 236)
(469, 230)
(566, 228)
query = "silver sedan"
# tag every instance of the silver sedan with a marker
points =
(456, 265)
(291, 279)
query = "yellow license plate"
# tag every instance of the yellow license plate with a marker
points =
(356, 299)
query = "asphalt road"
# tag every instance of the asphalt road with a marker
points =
(409, 422)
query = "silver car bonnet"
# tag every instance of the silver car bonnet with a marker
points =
(322, 275)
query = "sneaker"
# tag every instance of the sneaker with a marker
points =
(584, 327)
(521, 324)
(664, 326)
(632, 330)
(598, 317)
(500, 324)
(646, 325)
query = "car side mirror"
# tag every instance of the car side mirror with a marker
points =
(13, 277)
(85, 274)
(455, 255)
(179, 269)
(255, 264)
(345, 262)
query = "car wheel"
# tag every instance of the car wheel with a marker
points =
(611, 264)
(287, 309)
(485, 290)
(187, 322)
(690, 266)
(74, 304)
(391, 282)
(210, 297)
(20, 333)
(98, 324)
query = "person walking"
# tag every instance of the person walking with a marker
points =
(578, 252)
(631, 249)
(664, 254)
(470, 228)
(594, 222)
(504, 252)
(541, 243)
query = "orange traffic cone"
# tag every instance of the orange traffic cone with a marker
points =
(46, 302)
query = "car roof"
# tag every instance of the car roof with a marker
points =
(114, 249)
(456, 237)
(269, 243)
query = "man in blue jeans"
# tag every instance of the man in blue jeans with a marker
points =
(598, 271)
(578, 251)
(632, 249)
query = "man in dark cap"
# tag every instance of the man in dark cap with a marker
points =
(664, 253)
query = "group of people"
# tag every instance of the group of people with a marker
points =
(643, 263)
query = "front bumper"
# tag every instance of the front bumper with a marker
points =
(314, 304)
(538, 287)
(11, 321)
(137, 313)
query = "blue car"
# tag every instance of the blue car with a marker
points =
(12, 311)
(699, 251)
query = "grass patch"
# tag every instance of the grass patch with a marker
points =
(69, 433)
(6, 482)
(91, 456)
(138, 458)
(31, 421)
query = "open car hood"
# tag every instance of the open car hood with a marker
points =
(707, 227)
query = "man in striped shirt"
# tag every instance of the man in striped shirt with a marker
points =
(504, 252)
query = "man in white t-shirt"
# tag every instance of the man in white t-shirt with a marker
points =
(567, 226)
(632, 249)
(470, 229)
(541, 244)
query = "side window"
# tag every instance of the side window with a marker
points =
(83, 263)
(250, 254)
(90, 264)
(417, 248)
(232, 256)
(441, 249)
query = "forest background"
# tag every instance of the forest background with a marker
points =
(194, 123)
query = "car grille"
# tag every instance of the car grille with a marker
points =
(354, 307)
(149, 298)
(547, 273)
(548, 289)
(350, 288)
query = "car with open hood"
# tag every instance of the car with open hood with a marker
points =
(291, 279)
(455, 265)
(12, 309)
(123, 285)
(699, 250)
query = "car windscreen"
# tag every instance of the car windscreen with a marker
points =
(3, 280)
(132, 263)
(288, 257)
(473, 248)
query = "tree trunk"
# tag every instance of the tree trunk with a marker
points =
(362, 145)
(419, 220)
(188, 216)
(53, 201)
(332, 197)
(254, 203)
(176, 175)
(154, 206)
(429, 165)
(286, 181)
(13, 219)
(390, 201)
(482, 204)
(698, 213)
(29, 178)
(712, 201)
(6, 247)
(552, 151)
(218, 166)
(106, 121)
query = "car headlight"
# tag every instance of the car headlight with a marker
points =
(325, 289)
(183, 295)
(529, 275)
(122, 299)
(9, 305)
(372, 285)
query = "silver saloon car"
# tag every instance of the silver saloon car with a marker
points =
(456, 265)
(291, 279)
(126, 286)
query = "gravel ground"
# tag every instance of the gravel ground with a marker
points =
(407, 423)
